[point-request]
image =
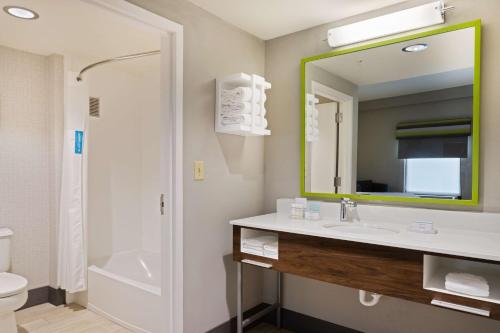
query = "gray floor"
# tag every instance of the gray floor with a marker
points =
(266, 328)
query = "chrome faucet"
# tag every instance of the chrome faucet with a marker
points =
(345, 203)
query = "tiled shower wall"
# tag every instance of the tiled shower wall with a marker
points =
(27, 159)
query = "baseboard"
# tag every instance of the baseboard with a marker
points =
(300, 323)
(230, 325)
(57, 296)
(45, 294)
(290, 320)
(120, 322)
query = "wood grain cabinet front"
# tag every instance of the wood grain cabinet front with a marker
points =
(389, 271)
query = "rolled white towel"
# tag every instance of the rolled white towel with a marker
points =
(241, 107)
(311, 118)
(312, 131)
(312, 125)
(240, 94)
(243, 119)
(311, 138)
(232, 100)
(466, 283)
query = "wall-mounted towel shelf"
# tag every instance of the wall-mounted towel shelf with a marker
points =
(253, 110)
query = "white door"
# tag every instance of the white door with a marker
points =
(324, 150)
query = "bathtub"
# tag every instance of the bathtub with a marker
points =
(125, 288)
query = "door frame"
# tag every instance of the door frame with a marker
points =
(347, 134)
(172, 156)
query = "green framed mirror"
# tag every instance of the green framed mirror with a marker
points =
(396, 120)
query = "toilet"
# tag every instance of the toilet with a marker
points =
(13, 288)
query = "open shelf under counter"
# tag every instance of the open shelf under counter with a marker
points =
(437, 267)
(252, 234)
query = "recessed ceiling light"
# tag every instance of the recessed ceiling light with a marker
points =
(415, 47)
(20, 12)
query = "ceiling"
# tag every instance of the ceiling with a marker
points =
(76, 29)
(387, 71)
(269, 19)
(438, 81)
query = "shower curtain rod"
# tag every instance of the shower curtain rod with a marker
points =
(125, 57)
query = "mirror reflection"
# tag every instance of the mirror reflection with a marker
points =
(394, 120)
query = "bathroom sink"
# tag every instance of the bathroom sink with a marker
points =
(361, 229)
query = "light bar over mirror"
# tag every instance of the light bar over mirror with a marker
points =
(422, 16)
(395, 121)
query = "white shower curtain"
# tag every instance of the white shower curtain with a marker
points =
(72, 249)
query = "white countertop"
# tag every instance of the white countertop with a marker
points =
(458, 242)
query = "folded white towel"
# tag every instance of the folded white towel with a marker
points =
(253, 247)
(271, 247)
(466, 283)
(261, 246)
(240, 94)
(253, 251)
(243, 119)
(273, 255)
(260, 241)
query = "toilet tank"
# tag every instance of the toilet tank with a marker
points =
(5, 235)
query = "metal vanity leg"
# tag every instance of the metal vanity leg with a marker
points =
(239, 305)
(278, 301)
(241, 322)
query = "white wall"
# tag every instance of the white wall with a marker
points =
(234, 165)
(149, 101)
(124, 160)
(282, 156)
(28, 108)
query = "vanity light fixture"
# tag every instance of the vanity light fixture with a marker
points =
(415, 47)
(409, 19)
(21, 12)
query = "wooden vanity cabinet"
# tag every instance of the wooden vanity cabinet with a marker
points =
(385, 270)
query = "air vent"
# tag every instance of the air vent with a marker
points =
(94, 107)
